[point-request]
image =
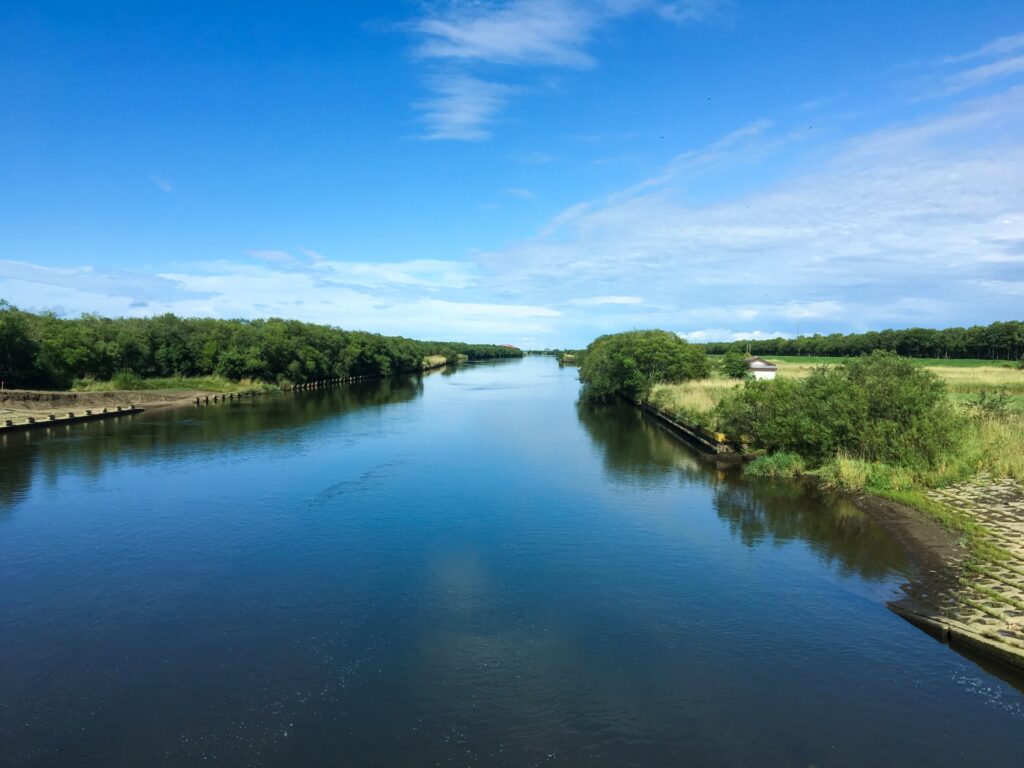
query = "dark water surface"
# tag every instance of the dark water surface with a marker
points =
(466, 569)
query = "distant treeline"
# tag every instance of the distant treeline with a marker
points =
(998, 341)
(48, 351)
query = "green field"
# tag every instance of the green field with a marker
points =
(927, 362)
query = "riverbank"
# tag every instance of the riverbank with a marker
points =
(21, 405)
(967, 541)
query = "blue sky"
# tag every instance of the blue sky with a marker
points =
(535, 171)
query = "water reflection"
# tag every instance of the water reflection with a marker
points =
(274, 420)
(836, 531)
(634, 446)
(756, 512)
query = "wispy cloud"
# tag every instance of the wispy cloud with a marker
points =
(997, 47)
(598, 301)
(972, 78)
(526, 32)
(1004, 287)
(460, 37)
(161, 183)
(898, 226)
(462, 107)
(279, 257)
(522, 194)
(1004, 60)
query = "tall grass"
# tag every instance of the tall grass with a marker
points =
(692, 401)
(776, 465)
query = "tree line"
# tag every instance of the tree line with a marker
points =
(998, 341)
(47, 351)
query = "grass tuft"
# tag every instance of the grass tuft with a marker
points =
(776, 465)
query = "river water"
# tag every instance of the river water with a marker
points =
(463, 569)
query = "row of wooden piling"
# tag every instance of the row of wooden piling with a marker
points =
(207, 400)
(323, 383)
(71, 417)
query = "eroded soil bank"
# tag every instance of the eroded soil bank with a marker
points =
(17, 404)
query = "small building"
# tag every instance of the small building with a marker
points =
(761, 368)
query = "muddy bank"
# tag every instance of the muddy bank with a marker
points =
(972, 606)
(15, 403)
(936, 550)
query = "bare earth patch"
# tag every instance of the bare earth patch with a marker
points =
(20, 404)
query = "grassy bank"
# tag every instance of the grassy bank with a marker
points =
(966, 381)
(200, 383)
(987, 435)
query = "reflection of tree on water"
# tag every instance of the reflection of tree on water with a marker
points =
(756, 511)
(15, 474)
(634, 446)
(785, 511)
(232, 427)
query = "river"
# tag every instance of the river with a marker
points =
(460, 569)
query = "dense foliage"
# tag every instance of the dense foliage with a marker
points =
(877, 408)
(631, 363)
(49, 351)
(734, 364)
(998, 341)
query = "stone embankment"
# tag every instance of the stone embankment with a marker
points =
(981, 608)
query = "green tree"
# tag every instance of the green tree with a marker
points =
(734, 364)
(631, 363)
(18, 350)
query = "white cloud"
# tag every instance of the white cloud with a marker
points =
(550, 32)
(280, 257)
(726, 334)
(1005, 287)
(816, 310)
(889, 230)
(386, 298)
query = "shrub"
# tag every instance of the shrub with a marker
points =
(875, 408)
(734, 365)
(631, 363)
(127, 380)
(997, 403)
